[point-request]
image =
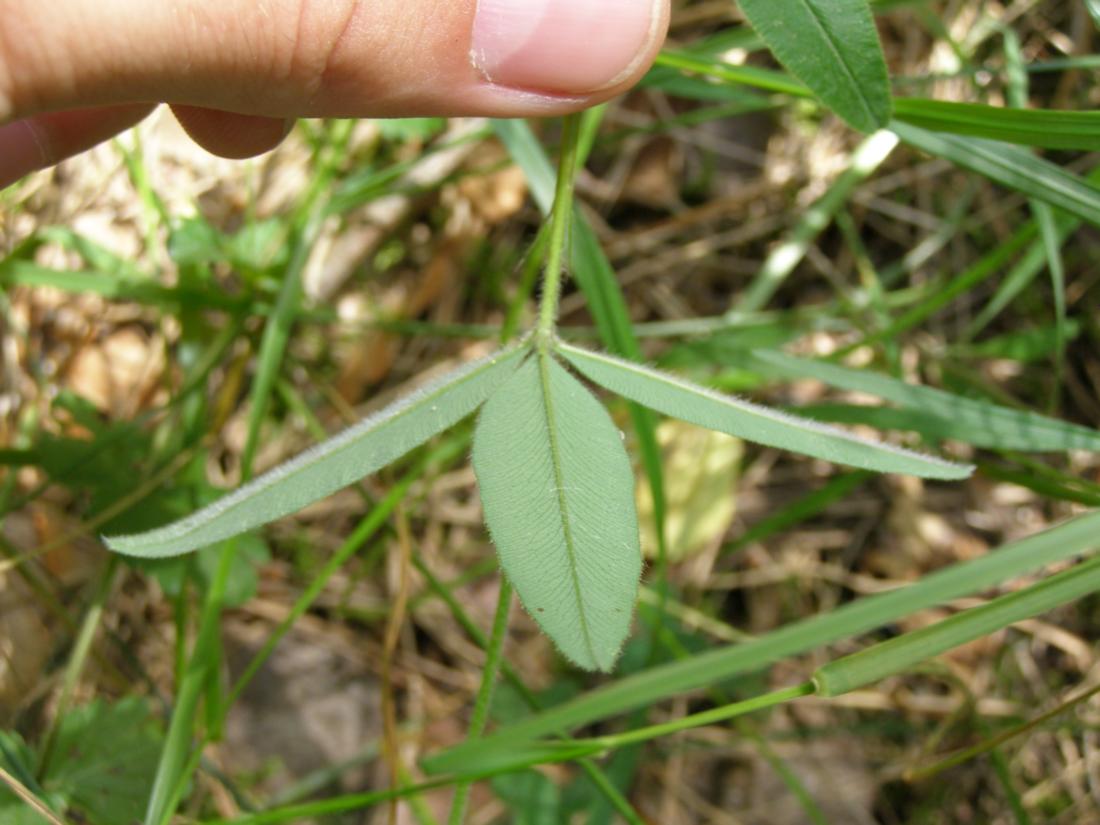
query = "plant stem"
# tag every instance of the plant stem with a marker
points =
(390, 748)
(561, 217)
(175, 765)
(695, 720)
(485, 692)
(79, 657)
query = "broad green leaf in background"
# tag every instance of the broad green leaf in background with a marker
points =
(358, 451)
(558, 493)
(689, 402)
(832, 46)
(533, 797)
(977, 422)
(105, 758)
(1049, 129)
(101, 769)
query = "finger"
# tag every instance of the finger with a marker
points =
(43, 140)
(289, 58)
(229, 134)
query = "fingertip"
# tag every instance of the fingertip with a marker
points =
(21, 152)
(37, 142)
(547, 45)
(232, 135)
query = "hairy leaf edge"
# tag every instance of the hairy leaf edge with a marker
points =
(172, 539)
(937, 467)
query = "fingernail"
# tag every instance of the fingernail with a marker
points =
(20, 152)
(570, 47)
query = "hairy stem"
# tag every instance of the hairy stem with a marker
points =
(560, 219)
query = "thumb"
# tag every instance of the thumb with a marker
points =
(333, 58)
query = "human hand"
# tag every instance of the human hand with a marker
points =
(237, 72)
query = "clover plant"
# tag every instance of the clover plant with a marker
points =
(555, 479)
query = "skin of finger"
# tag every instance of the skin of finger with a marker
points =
(58, 135)
(280, 58)
(229, 134)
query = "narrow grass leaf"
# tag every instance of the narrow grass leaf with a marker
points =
(903, 652)
(1009, 166)
(977, 422)
(1093, 7)
(800, 510)
(713, 66)
(706, 408)
(1022, 273)
(1064, 541)
(1024, 345)
(358, 451)
(558, 492)
(1045, 128)
(831, 46)
(783, 259)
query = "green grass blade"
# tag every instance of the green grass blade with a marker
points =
(963, 282)
(714, 66)
(1049, 230)
(1009, 166)
(177, 754)
(977, 422)
(1023, 345)
(1064, 541)
(831, 46)
(783, 259)
(706, 408)
(1022, 273)
(558, 492)
(1052, 247)
(1047, 129)
(1093, 7)
(801, 510)
(903, 652)
(358, 451)
(542, 752)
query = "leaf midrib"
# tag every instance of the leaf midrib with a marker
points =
(869, 110)
(559, 489)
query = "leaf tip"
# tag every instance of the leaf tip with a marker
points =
(948, 470)
(123, 545)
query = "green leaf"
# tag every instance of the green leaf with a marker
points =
(102, 766)
(17, 758)
(358, 451)
(1046, 128)
(594, 275)
(1009, 166)
(1024, 345)
(706, 408)
(558, 492)
(968, 419)
(532, 798)
(1093, 7)
(831, 46)
(105, 759)
(903, 652)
